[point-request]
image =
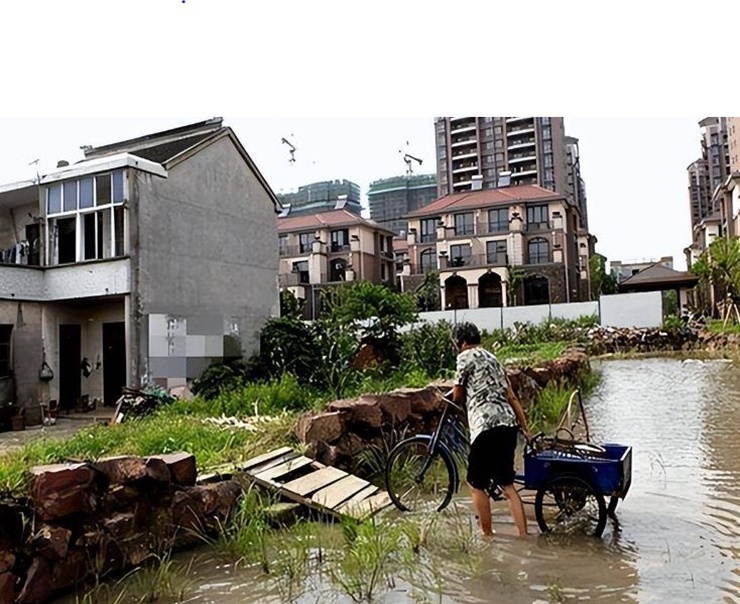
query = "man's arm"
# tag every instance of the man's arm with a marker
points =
(458, 394)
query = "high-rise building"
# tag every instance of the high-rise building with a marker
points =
(390, 199)
(710, 171)
(531, 149)
(699, 194)
(733, 143)
(576, 185)
(322, 197)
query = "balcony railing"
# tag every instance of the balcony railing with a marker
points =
(518, 130)
(491, 226)
(533, 227)
(475, 260)
(295, 250)
(428, 238)
(338, 248)
(517, 143)
(464, 140)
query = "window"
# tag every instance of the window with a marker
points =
(496, 252)
(498, 131)
(429, 230)
(302, 269)
(545, 121)
(464, 224)
(87, 220)
(549, 175)
(5, 333)
(340, 240)
(539, 251)
(488, 132)
(304, 243)
(459, 255)
(338, 270)
(546, 135)
(427, 261)
(283, 245)
(537, 217)
(489, 159)
(498, 220)
(548, 160)
(499, 158)
(499, 143)
(488, 145)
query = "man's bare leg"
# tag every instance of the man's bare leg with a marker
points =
(482, 505)
(517, 509)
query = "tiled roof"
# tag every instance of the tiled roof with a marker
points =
(656, 273)
(484, 198)
(335, 218)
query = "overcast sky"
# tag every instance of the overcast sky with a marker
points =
(634, 168)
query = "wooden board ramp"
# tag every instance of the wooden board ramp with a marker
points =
(323, 488)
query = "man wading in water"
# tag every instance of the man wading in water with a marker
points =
(494, 417)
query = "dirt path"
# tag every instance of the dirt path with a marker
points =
(64, 428)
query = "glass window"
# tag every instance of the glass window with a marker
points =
(548, 160)
(54, 199)
(539, 251)
(547, 146)
(340, 240)
(118, 186)
(459, 255)
(537, 216)
(499, 157)
(546, 135)
(498, 130)
(498, 220)
(545, 121)
(428, 261)
(305, 244)
(488, 132)
(464, 224)
(429, 230)
(86, 193)
(119, 243)
(496, 252)
(102, 189)
(70, 196)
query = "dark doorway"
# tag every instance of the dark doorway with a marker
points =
(489, 291)
(114, 361)
(456, 292)
(70, 358)
(536, 290)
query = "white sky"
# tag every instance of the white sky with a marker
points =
(86, 72)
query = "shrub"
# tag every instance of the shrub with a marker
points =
(428, 348)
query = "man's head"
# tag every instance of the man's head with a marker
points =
(465, 333)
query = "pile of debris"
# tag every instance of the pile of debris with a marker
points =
(350, 430)
(139, 403)
(88, 519)
(610, 340)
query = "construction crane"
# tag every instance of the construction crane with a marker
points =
(408, 158)
(292, 149)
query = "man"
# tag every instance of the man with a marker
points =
(494, 414)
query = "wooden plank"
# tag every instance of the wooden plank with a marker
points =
(284, 468)
(339, 492)
(260, 459)
(369, 506)
(313, 482)
(366, 492)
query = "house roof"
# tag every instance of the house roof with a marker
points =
(322, 220)
(656, 276)
(484, 198)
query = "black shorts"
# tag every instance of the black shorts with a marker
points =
(492, 457)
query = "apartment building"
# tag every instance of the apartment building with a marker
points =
(140, 264)
(532, 149)
(390, 199)
(323, 196)
(328, 248)
(499, 247)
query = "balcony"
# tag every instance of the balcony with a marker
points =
(294, 250)
(520, 130)
(488, 227)
(522, 157)
(537, 227)
(512, 120)
(520, 144)
(457, 127)
(465, 167)
(339, 248)
(464, 154)
(475, 261)
(465, 140)
(525, 172)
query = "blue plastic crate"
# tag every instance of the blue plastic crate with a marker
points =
(610, 475)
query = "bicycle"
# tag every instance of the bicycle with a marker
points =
(570, 477)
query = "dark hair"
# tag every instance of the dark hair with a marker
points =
(465, 333)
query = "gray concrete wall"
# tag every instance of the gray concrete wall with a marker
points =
(205, 256)
(26, 350)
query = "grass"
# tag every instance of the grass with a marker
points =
(716, 326)
(529, 353)
(552, 401)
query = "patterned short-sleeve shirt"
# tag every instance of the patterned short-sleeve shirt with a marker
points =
(484, 380)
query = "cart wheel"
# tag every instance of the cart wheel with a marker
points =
(568, 502)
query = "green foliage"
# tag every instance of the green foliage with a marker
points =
(427, 294)
(290, 306)
(672, 323)
(218, 378)
(428, 347)
(552, 401)
(514, 284)
(289, 345)
(718, 327)
(719, 265)
(601, 281)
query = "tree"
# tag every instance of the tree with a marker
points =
(601, 281)
(427, 294)
(513, 284)
(719, 267)
(290, 306)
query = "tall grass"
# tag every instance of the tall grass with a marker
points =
(552, 401)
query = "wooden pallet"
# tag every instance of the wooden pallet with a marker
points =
(323, 488)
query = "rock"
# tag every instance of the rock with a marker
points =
(60, 490)
(68, 571)
(227, 495)
(322, 452)
(283, 514)
(188, 518)
(135, 549)
(38, 586)
(182, 392)
(350, 445)
(121, 497)
(541, 375)
(325, 427)
(52, 542)
(182, 467)
(364, 410)
(122, 469)
(396, 407)
(7, 588)
(426, 400)
(120, 525)
(157, 470)
(7, 561)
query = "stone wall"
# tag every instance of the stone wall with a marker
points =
(87, 520)
(347, 430)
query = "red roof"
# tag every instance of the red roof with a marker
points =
(484, 198)
(322, 220)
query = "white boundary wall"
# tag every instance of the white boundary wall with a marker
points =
(617, 310)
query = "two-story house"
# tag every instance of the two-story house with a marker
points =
(143, 263)
(498, 247)
(332, 247)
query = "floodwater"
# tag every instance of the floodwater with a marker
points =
(679, 534)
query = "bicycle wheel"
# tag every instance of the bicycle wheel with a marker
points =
(567, 503)
(417, 481)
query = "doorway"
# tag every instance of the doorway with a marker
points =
(70, 358)
(114, 361)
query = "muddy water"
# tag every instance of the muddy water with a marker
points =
(679, 535)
